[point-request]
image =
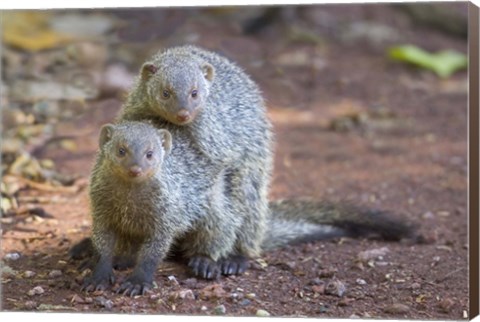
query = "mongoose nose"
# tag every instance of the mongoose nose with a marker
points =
(183, 115)
(135, 171)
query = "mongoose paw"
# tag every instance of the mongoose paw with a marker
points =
(234, 265)
(204, 267)
(98, 282)
(134, 286)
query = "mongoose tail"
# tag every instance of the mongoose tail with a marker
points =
(297, 221)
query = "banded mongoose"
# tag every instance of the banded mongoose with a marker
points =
(153, 192)
(220, 109)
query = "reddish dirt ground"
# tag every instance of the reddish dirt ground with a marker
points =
(349, 124)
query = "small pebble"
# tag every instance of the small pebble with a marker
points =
(12, 256)
(172, 280)
(361, 281)
(245, 302)
(30, 305)
(335, 287)
(108, 304)
(250, 296)
(203, 308)
(397, 308)
(55, 273)
(29, 274)
(262, 313)
(36, 291)
(446, 305)
(220, 310)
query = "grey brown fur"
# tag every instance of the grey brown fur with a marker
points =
(226, 121)
(215, 179)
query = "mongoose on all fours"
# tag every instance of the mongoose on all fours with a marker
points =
(153, 191)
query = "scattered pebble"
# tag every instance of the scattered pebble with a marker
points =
(212, 291)
(29, 274)
(36, 291)
(397, 308)
(203, 308)
(250, 296)
(220, 310)
(428, 215)
(185, 294)
(320, 289)
(77, 299)
(376, 253)
(102, 301)
(7, 270)
(172, 280)
(49, 307)
(12, 256)
(446, 305)
(262, 313)
(415, 286)
(31, 305)
(327, 273)
(317, 281)
(245, 302)
(335, 287)
(361, 281)
(55, 273)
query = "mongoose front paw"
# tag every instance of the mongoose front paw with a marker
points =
(234, 265)
(204, 267)
(98, 282)
(134, 286)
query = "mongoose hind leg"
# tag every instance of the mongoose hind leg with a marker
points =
(248, 196)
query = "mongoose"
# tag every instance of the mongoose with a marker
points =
(152, 192)
(209, 99)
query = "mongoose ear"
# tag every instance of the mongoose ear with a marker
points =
(106, 133)
(208, 71)
(166, 138)
(147, 70)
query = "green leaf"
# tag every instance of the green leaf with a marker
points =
(443, 63)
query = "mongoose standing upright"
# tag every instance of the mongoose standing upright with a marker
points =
(210, 99)
(153, 192)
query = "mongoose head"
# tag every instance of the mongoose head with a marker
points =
(177, 86)
(134, 151)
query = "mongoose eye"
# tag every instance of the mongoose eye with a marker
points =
(149, 154)
(194, 93)
(166, 93)
(122, 152)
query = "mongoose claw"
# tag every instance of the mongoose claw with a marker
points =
(234, 265)
(204, 267)
(134, 286)
(97, 283)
